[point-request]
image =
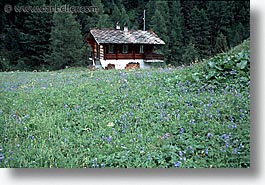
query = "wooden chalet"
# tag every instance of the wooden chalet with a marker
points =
(116, 48)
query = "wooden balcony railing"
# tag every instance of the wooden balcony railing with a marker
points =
(118, 56)
(151, 56)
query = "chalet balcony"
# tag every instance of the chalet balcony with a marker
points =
(117, 56)
(153, 56)
(132, 56)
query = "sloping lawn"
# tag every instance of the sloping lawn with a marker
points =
(166, 118)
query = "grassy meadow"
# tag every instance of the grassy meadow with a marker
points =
(190, 117)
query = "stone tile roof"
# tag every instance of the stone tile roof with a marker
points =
(112, 36)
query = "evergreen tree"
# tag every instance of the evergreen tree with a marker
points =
(220, 15)
(139, 15)
(66, 41)
(190, 54)
(187, 7)
(11, 50)
(11, 47)
(220, 44)
(159, 25)
(102, 19)
(239, 27)
(243, 16)
(120, 15)
(116, 14)
(149, 13)
(200, 32)
(133, 19)
(124, 19)
(175, 28)
(35, 39)
(189, 28)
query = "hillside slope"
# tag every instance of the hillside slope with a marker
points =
(194, 117)
(231, 67)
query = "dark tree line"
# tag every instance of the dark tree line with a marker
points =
(192, 30)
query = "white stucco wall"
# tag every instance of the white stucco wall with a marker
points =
(121, 64)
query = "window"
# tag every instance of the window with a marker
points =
(141, 49)
(111, 48)
(125, 48)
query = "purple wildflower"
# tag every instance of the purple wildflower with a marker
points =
(209, 135)
(204, 110)
(148, 139)
(206, 151)
(167, 135)
(149, 157)
(77, 108)
(233, 89)
(26, 117)
(123, 117)
(182, 130)
(32, 137)
(180, 153)
(234, 126)
(140, 136)
(232, 72)
(1, 157)
(178, 164)
(225, 137)
(109, 139)
(95, 164)
(163, 114)
(192, 121)
(242, 115)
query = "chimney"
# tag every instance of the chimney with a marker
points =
(118, 27)
(125, 27)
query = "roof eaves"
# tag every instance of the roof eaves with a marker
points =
(94, 37)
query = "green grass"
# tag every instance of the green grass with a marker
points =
(143, 118)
